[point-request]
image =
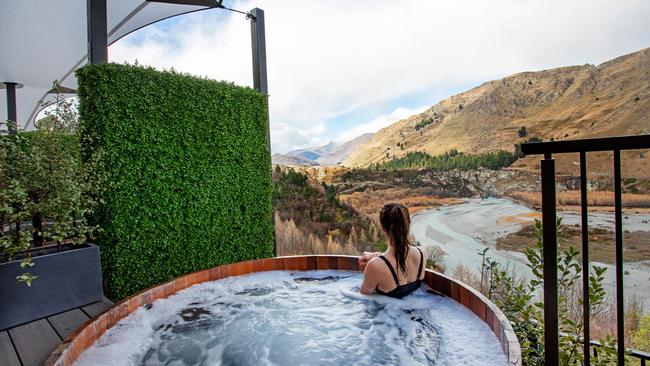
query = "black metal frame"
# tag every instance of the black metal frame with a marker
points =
(97, 32)
(258, 40)
(98, 35)
(615, 144)
(12, 114)
(260, 83)
(11, 102)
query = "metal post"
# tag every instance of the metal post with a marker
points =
(620, 310)
(258, 43)
(97, 32)
(551, 334)
(11, 101)
(12, 114)
(259, 50)
(585, 258)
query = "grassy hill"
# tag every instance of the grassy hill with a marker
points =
(564, 103)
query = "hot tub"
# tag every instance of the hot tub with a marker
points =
(293, 317)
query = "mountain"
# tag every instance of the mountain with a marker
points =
(327, 155)
(304, 154)
(564, 103)
(340, 152)
(283, 159)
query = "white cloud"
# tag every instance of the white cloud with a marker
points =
(379, 122)
(285, 137)
(329, 58)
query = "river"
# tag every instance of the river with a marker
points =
(462, 231)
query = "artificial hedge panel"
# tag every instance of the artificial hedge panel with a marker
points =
(186, 172)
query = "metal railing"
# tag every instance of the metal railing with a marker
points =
(549, 213)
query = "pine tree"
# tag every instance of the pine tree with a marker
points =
(352, 238)
(362, 235)
(374, 233)
(289, 239)
(350, 250)
(316, 244)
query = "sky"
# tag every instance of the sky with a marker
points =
(341, 68)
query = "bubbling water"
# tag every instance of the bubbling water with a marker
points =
(299, 318)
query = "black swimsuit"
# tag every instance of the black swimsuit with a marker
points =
(402, 290)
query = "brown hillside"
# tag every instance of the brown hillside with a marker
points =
(564, 103)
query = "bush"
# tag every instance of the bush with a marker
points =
(641, 338)
(44, 193)
(522, 131)
(532, 139)
(517, 298)
(186, 169)
(423, 123)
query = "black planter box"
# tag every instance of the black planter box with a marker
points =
(66, 280)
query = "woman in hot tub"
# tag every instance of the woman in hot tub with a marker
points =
(399, 270)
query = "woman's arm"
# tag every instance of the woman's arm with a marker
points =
(370, 278)
(424, 260)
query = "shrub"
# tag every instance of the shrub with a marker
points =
(187, 172)
(436, 258)
(45, 193)
(641, 338)
(531, 139)
(518, 300)
(423, 123)
(522, 131)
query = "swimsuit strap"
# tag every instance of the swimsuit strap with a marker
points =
(421, 260)
(390, 266)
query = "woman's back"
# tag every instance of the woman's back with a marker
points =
(388, 280)
(398, 271)
(392, 278)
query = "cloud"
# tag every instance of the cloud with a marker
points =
(379, 122)
(285, 137)
(330, 58)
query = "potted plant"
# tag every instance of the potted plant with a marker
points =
(47, 265)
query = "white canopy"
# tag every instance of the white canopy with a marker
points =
(46, 40)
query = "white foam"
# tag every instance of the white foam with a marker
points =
(282, 318)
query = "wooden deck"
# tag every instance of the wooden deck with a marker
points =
(31, 344)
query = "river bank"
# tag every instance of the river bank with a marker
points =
(462, 231)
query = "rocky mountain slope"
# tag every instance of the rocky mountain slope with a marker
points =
(327, 155)
(564, 103)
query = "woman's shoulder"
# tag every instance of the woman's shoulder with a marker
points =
(375, 265)
(415, 253)
(418, 248)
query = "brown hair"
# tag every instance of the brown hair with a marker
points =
(396, 221)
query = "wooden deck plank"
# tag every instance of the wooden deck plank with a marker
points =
(97, 308)
(34, 341)
(66, 323)
(8, 355)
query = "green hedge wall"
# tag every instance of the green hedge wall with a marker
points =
(186, 172)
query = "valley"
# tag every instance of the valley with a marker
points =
(458, 168)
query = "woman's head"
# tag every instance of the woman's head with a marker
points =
(396, 222)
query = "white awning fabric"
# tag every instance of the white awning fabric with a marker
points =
(44, 40)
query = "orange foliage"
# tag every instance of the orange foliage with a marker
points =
(596, 198)
(290, 240)
(369, 202)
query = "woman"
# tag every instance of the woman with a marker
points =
(398, 271)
